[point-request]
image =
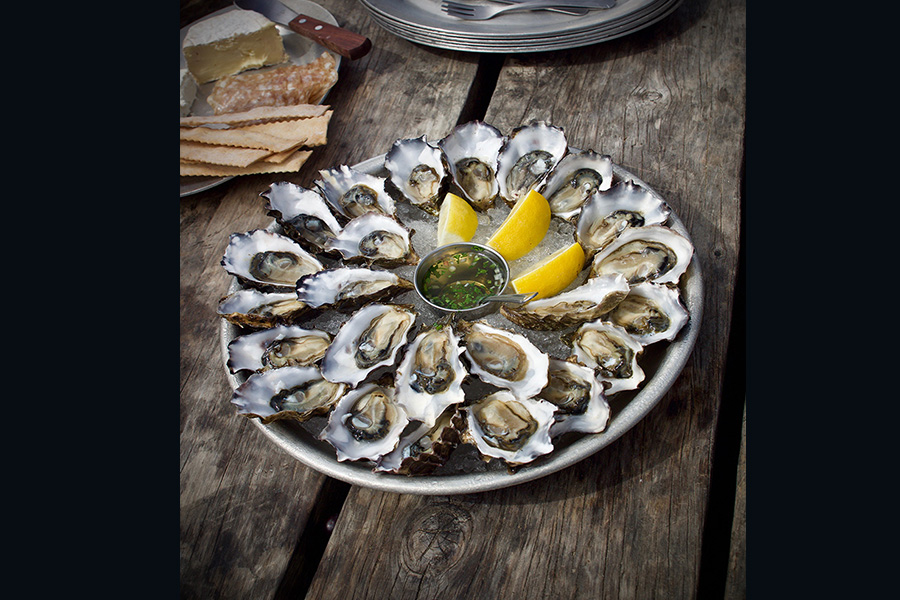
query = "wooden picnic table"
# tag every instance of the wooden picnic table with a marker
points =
(659, 513)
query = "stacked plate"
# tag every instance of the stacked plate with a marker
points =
(423, 22)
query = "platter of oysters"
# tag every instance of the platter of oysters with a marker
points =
(335, 354)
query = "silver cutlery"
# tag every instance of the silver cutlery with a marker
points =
(473, 12)
(566, 11)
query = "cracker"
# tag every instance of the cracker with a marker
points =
(221, 155)
(293, 163)
(260, 114)
(277, 136)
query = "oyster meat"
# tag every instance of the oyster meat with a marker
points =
(279, 346)
(579, 398)
(651, 313)
(375, 238)
(576, 178)
(605, 215)
(652, 253)
(419, 171)
(352, 193)
(253, 308)
(587, 302)
(528, 155)
(296, 393)
(426, 447)
(346, 288)
(515, 430)
(504, 359)
(431, 374)
(472, 150)
(610, 351)
(365, 424)
(268, 260)
(302, 213)
(369, 339)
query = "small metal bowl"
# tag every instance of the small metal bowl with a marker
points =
(445, 252)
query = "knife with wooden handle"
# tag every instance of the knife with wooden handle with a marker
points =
(337, 39)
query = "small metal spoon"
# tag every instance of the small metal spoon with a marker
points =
(514, 298)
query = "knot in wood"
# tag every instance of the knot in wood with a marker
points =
(434, 538)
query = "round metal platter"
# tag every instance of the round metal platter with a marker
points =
(423, 22)
(465, 472)
(300, 50)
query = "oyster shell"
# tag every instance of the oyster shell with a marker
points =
(302, 213)
(352, 193)
(345, 288)
(515, 430)
(369, 339)
(472, 150)
(605, 215)
(268, 260)
(375, 238)
(505, 359)
(365, 424)
(279, 346)
(587, 302)
(650, 312)
(652, 253)
(426, 447)
(610, 351)
(576, 177)
(578, 396)
(253, 308)
(528, 155)
(296, 393)
(419, 171)
(431, 374)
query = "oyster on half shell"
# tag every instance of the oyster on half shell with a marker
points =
(296, 393)
(650, 312)
(279, 346)
(375, 238)
(365, 424)
(420, 172)
(345, 288)
(352, 193)
(605, 215)
(652, 253)
(515, 430)
(575, 179)
(610, 351)
(504, 359)
(302, 213)
(579, 397)
(369, 339)
(528, 155)
(472, 150)
(268, 260)
(253, 308)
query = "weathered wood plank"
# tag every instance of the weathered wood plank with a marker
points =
(244, 502)
(736, 580)
(627, 522)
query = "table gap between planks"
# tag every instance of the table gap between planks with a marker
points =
(666, 103)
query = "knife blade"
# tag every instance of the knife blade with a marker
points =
(343, 41)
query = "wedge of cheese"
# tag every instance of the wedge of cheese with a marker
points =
(188, 92)
(231, 42)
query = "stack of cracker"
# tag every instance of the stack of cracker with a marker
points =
(266, 139)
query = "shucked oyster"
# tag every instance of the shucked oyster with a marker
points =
(587, 302)
(611, 351)
(527, 157)
(369, 339)
(653, 253)
(515, 430)
(365, 424)
(650, 312)
(296, 393)
(253, 308)
(345, 288)
(472, 150)
(574, 180)
(280, 346)
(302, 213)
(420, 171)
(505, 359)
(578, 396)
(268, 260)
(352, 193)
(431, 374)
(426, 447)
(605, 215)
(375, 238)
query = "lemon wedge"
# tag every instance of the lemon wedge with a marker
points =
(553, 274)
(524, 227)
(457, 221)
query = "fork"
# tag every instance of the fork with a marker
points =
(472, 12)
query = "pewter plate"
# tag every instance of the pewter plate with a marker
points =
(301, 50)
(465, 472)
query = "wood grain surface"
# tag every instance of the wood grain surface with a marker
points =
(668, 104)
